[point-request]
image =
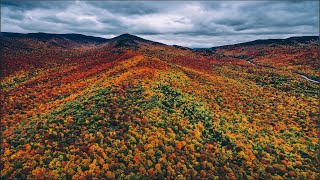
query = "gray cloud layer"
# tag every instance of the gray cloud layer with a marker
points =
(189, 23)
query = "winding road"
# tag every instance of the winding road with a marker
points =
(303, 76)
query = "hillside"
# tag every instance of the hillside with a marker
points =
(130, 108)
(49, 38)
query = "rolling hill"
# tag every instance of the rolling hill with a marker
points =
(81, 107)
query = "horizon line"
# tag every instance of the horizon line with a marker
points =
(160, 42)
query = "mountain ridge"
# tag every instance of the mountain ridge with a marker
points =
(127, 39)
(47, 36)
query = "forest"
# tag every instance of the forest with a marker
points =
(130, 108)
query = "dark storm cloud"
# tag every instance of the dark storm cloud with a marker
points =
(190, 23)
(33, 4)
(125, 7)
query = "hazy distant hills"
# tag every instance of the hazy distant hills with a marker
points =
(47, 36)
(128, 40)
(288, 41)
(270, 42)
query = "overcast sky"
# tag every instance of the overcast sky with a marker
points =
(186, 23)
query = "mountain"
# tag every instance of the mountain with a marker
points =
(128, 37)
(265, 42)
(79, 38)
(288, 41)
(130, 108)
(46, 40)
(130, 41)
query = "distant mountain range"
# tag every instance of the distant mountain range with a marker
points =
(48, 36)
(128, 40)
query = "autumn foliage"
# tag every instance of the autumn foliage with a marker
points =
(159, 112)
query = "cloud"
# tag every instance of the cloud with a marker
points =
(191, 23)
